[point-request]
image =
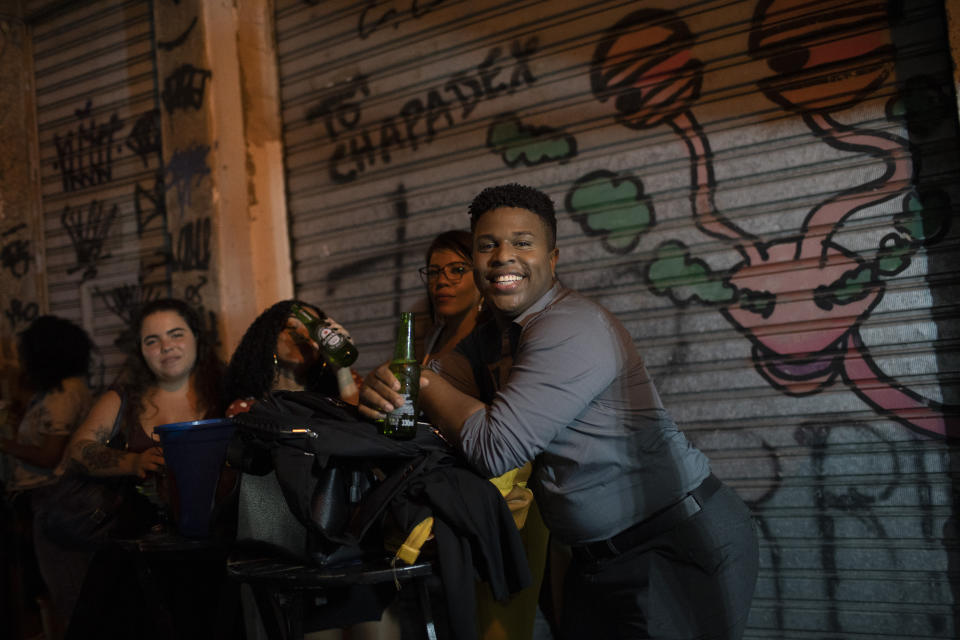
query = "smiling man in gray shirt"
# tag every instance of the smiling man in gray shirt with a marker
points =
(661, 548)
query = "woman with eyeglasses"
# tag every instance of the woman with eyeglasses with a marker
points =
(452, 296)
(456, 307)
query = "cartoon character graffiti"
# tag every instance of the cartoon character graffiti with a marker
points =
(802, 300)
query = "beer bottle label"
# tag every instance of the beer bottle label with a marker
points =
(403, 415)
(330, 337)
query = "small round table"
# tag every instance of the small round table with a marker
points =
(279, 585)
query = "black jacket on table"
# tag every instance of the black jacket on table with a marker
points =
(474, 530)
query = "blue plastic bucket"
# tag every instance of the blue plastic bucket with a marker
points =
(194, 453)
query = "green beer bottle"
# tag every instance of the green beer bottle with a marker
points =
(401, 423)
(337, 348)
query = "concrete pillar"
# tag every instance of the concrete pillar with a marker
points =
(226, 211)
(22, 283)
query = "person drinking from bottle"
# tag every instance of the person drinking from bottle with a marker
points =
(278, 352)
(661, 547)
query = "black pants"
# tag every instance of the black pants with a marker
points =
(695, 581)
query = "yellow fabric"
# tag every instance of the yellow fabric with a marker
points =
(505, 482)
(409, 551)
(519, 500)
(513, 488)
(514, 619)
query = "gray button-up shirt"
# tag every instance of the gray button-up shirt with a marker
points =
(578, 401)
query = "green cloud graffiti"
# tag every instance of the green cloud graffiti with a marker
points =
(612, 207)
(530, 145)
(675, 273)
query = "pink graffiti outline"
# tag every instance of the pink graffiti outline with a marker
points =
(806, 362)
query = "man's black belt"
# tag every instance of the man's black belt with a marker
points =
(658, 523)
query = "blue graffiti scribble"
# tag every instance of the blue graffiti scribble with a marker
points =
(186, 169)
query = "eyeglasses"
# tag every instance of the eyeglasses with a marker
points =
(453, 271)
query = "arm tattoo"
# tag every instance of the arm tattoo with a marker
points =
(96, 456)
(102, 435)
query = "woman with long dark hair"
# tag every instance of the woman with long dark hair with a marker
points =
(277, 352)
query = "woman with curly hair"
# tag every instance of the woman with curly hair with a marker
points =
(55, 358)
(277, 352)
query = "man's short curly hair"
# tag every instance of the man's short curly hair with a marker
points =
(519, 196)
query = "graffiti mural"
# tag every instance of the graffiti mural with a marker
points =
(150, 205)
(123, 301)
(144, 137)
(15, 251)
(612, 207)
(184, 88)
(762, 191)
(646, 70)
(342, 274)
(184, 172)
(20, 313)
(379, 15)
(85, 153)
(419, 119)
(170, 45)
(88, 227)
(520, 143)
(192, 250)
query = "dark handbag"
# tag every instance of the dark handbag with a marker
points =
(83, 512)
(319, 502)
(288, 499)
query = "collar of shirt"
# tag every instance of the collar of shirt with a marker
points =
(483, 348)
(538, 306)
(502, 354)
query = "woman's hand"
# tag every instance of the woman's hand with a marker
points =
(147, 461)
(349, 392)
